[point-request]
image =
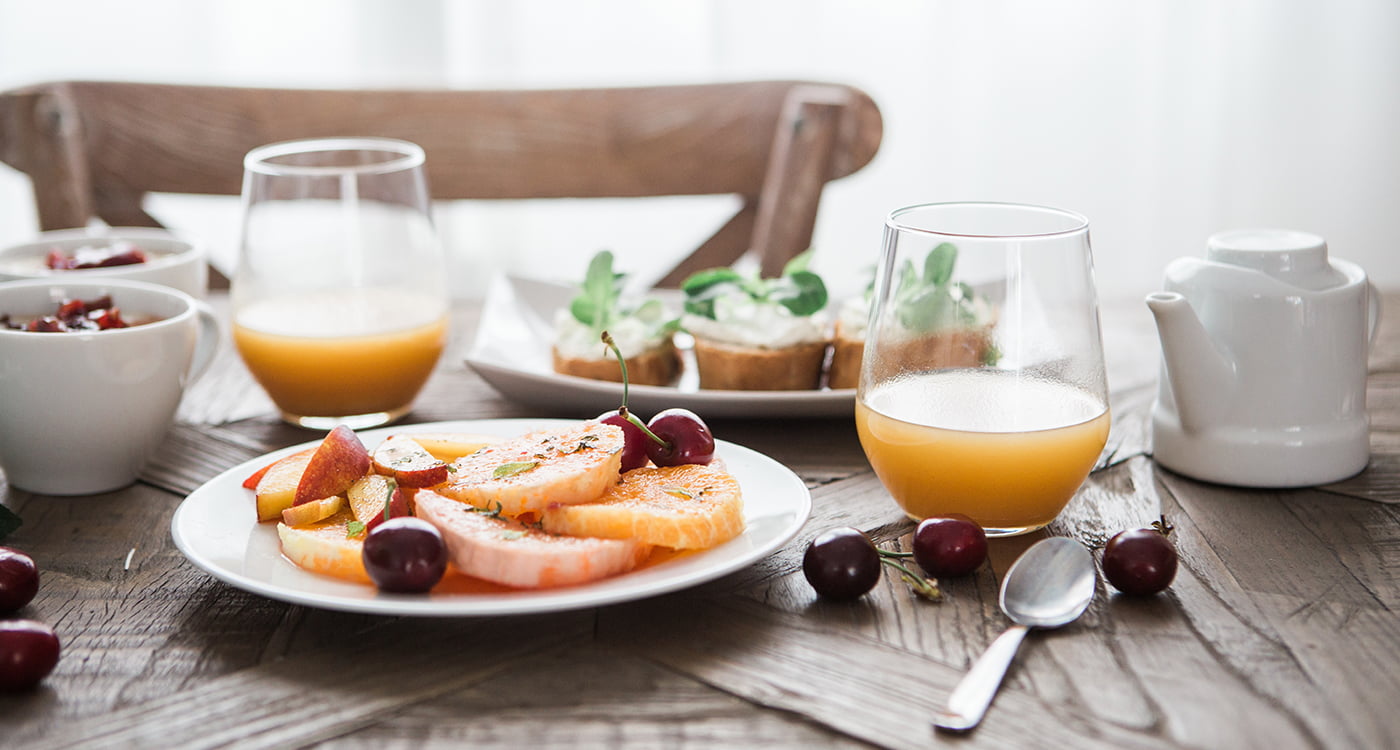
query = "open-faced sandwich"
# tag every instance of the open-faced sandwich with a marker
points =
(642, 331)
(757, 334)
(940, 323)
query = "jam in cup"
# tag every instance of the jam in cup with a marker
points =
(85, 408)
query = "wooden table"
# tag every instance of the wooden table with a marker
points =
(1280, 630)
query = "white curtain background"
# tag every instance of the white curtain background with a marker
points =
(1163, 121)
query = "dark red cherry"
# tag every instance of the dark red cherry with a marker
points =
(634, 448)
(949, 546)
(688, 439)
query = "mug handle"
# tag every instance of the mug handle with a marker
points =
(1373, 317)
(207, 345)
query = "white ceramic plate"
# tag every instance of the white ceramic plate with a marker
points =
(216, 530)
(512, 353)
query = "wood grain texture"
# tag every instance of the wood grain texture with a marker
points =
(1279, 631)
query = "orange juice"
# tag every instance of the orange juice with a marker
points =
(355, 352)
(1007, 452)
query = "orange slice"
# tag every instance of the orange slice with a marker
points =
(683, 507)
(325, 548)
(529, 473)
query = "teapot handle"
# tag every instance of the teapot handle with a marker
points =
(1373, 317)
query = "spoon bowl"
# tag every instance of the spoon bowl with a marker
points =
(1049, 586)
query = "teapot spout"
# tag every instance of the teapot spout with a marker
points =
(1202, 379)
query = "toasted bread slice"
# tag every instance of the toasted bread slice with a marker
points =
(656, 366)
(503, 551)
(531, 472)
(682, 507)
(741, 368)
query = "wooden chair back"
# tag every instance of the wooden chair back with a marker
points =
(94, 149)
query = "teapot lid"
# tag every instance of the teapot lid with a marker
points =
(1296, 257)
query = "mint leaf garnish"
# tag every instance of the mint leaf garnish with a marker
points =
(354, 529)
(513, 468)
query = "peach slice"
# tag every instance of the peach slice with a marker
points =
(337, 463)
(368, 495)
(316, 510)
(276, 490)
(410, 464)
(450, 446)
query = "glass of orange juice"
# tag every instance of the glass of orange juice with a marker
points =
(340, 302)
(982, 388)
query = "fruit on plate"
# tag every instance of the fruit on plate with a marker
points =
(410, 464)
(338, 461)
(682, 507)
(672, 438)
(405, 556)
(327, 547)
(277, 489)
(450, 446)
(316, 510)
(534, 471)
(486, 546)
(368, 496)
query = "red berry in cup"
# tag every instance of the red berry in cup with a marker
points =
(949, 546)
(405, 555)
(687, 439)
(1141, 562)
(19, 579)
(28, 652)
(841, 564)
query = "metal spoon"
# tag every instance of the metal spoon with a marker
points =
(1050, 585)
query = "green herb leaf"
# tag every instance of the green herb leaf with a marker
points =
(938, 266)
(512, 535)
(595, 305)
(8, 522)
(702, 280)
(679, 492)
(704, 287)
(513, 468)
(354, 529)
(803, 293)
(490, 512)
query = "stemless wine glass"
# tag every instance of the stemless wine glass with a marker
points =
(340, 300)
(982, 388)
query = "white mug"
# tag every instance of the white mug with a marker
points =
(82, 412)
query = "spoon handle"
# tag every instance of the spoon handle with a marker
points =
(974, 692)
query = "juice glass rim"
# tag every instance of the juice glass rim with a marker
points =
(400, 155)
(1076, 223)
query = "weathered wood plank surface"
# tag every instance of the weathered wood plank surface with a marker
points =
(1280, 630)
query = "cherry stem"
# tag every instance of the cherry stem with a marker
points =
(924, 587)
(1163, 526)
(389, 498)
(891, 553)
(627, 415)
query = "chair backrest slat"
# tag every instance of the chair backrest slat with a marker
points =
(96, 148)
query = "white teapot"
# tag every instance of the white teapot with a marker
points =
(1264, 349)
